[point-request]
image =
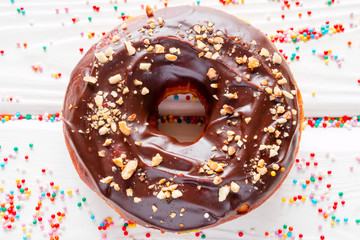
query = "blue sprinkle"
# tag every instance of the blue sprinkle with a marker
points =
(305, 34)
(314, 51)
(198, 2)
(62, 192)
(17, 216)
(3, 120)
(294, 181)
(18, 114)
(101, 224)
(346, 219)
(304, 186)
(311, 30)
(92, 217)
(312, 35)
(293, 54)
(335, 57)
(12, 192)
(314, 201)
(23, 12)
(289, 234)
(2, 165)
(43, 194)
(12, 1)
(338, 220)
(176, 97)
(24, 237)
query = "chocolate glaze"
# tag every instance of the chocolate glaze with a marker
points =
(182, 161)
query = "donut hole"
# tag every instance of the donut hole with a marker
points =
(182, 117)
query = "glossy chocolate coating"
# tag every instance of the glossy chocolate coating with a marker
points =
(182, 161)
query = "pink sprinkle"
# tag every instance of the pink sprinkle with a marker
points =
(104, 236)
(18, 45)
(57, 10)
(82, 34)
(66, 10)
(351, 168)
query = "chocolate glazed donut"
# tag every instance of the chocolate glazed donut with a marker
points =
(251, 134)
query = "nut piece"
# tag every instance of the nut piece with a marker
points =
(176, 193)
(149, 11)
(211, 74)
(217, 180)
(115, 79)
(104, 130)
(124, 129)
(144, 91)
(156, 160)
(101, 57)
(200, 45)
(264, 52)
(131, 50)
(107, 179)
(253, 63)
(118, 162)
(223, 193)
(277, 58)
(171, 57)
(145, 66)
(90, 79)
(159, 48)
(137, 199)
(231, 150)
(129, 169)
(234, 187)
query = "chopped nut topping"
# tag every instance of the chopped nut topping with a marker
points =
(101, 153)
(234, 187)
(144, 91)
(115, 79)
(264, 52)
(90, 79)
(132, 117)
(247, 120)
(211, 74)
(107, 179)
(282, 81)
(107, 142)
(130, 49)
(137, 82)
(118, 162)
(172, 215)
(217, 180)
(115, 185)
(176, 193)
(223, 193)
(171, 57)
(287, 94)
(159, 48)
(241, 60)
(261, 170)
(101, 57)
(277, 91)
(156, 160)
(137, 199)
(120, 101)
(124, 129)
(228, 109)
(275, 166)
(214, 85)
(109, 52)
(129, 169)
(129, 192)
(145, 66)
(264, 82)
(104, 130)
(116, 38)
(253, 63)
(200, 45)
(154, 208)
(149, 11)
(231, 150)
(277, 58)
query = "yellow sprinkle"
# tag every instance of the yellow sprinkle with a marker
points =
(291, 200)
(109, 220)
(326, 61)
(303, 198)
(1, 189)
(283, 199)
(27, 195)
(17, 180)
(284, 235)
(59, 218)
(69, 192)
(28, 192)
(330, 51)
(2, 214)
(194, 98)
(6, 118)
(332, 223)
(37, 212)
(313, 94)
(24, 229)
(56, 187)
(273, 173)
(89, 35)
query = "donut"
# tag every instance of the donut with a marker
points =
(252, 128)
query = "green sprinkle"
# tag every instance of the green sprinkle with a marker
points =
(18, 10)
(312, 179)
(115, 7)
(16, 149)
(341, 194)
(297, 48)
(28, 116)
(294, 39)
(122, 14)
(22, 190)
(44, 47)
(203, 236)
(79, 204)
(89, 18)
(83, 199)
(18, 207)
(34, 222)
(333, 217)
(285, 226)
(329, 2)
(126, 225)
(53, 195)
(326, 57)
(357, 220)
(31, 145)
